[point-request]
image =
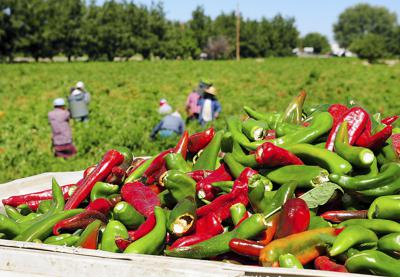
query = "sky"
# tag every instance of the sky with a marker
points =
(311, 15)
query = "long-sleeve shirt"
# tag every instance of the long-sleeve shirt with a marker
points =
(59, 122)
(192, 103)
(78, 103)
(171, 122)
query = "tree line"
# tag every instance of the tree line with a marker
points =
(74, 28)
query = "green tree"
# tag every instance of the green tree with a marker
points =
(362, 19)
(370, 47)
(200, 24)
(283, 36)
(317, 41)
(249, 39)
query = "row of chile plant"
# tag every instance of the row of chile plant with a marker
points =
(309, 187)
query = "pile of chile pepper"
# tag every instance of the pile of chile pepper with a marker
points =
(239, 195)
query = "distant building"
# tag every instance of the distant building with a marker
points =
(341, 52)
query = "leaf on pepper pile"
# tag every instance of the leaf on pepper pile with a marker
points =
(320, 195)
(141, 197)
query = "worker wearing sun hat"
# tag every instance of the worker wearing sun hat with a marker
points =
(210, 108)
(192, 107)
(61, 131)
(78, 102)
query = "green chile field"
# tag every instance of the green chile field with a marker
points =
(125, 100)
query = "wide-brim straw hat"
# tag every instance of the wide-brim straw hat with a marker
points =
(211, 90)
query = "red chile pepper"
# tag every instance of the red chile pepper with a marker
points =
(375, 141)
(157, 167)
(135, 164)
(324, 263)
(204, 188)
(88, 170)
(79, 221)
(246, 247)
(144, 228)
(103, 169)
(17, 200)
(337, 111)
(200, 140)
(116, 176)
(101, 205)
(294, 218)
(182, 145)
(271, 134)
(221, 205)
(390, 120)
(343, 215)
(357, 119)
(206, 227)
(271, 155)
(122, 244)
(199, 175)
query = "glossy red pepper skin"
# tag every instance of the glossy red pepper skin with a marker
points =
(294, 218)
(357, 119)
(101, 205)
(239, 194)
(17, 200)
(156, 168)
(324, 263)
(246, 247)
(200, 140)
(143, 229)
(271, 155)
(88, 170)
(204, 187)
(337, 111)
(182, 145)
(111, 159)
(79, 221)
(199, 175)
(376, 141)
(343, 215)
(122, 244)
(116, 176)
(205, 228)
(390, 120)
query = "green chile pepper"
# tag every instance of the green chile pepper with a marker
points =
(284, 129)
(271, 118)
(389, 243)
(89, 237)
(284, 193)
(153, 242)
(320, 125)
(103, 190)
(44, 206)
(385, 207)
(179, 184)
(227, 142)
(43, 228)
(326, 159)
(63, 240)
(128, 215)
(389, 176)
(374, 261)
(351, 236)
(306, 176)
(9, 227)
(357, 156)
(177, 162)
(13, 213)
(219, 244)
(208, 158)
(317, 222)
(379, 226)
(289, 261)
(114, 229)
(182, 218)
(254, 129)
(237, 210)
(139, 171)
(166, 198)
(224, 186)
(235, 167)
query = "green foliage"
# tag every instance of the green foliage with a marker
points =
(362, 19)
(370, 47)
(125, 99)
(317, 41)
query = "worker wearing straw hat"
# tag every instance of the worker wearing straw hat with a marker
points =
(210, 108)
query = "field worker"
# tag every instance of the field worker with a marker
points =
(78, 102)
(171, 124)
(210, 108)
(192, 107)
(61, 131)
